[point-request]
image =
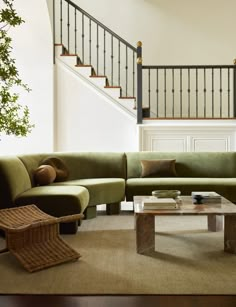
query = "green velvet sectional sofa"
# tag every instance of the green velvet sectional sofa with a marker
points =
(108, 178)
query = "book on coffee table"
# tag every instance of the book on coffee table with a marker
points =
(207, 197)
(159, 203)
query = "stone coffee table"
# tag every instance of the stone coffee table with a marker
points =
(145, 221)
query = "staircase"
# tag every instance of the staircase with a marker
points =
(157, 92)
(101, 82)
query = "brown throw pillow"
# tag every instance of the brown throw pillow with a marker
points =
(44, 174)
(62, 172)
(158, 168)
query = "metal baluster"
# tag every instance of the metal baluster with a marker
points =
(104, 53)
(212, 90)
(234, 88)
(90, 42)
(220, 92)
(165, 89)
(119, 63)
(204, 79)
(228, 92)
(126, 74)
(112, 60)
(181, 92)
(75, 32)
(173, 93)
(149, 88)
(68, 28)
(188, 92)
(61, 20)
(82, 38)
(97, 50)
(157, 91)
(196, 93)
(54, 32)
(133, 75)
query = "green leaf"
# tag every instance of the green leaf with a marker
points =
(14, 118)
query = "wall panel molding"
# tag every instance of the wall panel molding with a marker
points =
(187, 138)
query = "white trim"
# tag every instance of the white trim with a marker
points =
(98, 90)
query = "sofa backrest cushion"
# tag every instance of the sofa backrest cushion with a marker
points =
(95, 165)
(82, 165)
(14, 180)
(196, 164)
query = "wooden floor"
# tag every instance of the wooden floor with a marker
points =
(117, 301)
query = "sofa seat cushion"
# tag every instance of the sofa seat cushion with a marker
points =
(56, 200)
(145, 186)
(101, 190)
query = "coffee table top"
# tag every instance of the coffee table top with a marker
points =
(186, 207)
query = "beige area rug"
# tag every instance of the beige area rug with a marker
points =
(188, 260)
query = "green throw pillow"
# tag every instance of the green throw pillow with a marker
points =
(158, 168)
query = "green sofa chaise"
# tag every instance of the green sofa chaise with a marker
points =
(96, 178)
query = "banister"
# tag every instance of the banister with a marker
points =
(186, 66)
(101, 25)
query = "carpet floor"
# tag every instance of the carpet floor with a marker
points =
(188, 260)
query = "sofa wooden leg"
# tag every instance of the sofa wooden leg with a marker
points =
(90, 213)
(113, 208)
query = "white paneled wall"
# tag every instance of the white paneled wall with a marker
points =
(189, 137)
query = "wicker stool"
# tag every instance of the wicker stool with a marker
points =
(33, 237)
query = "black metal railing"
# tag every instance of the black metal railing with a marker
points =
(95, 44)
(185, 91)
(161, 91)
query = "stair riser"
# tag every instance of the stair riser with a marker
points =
(85, 71)
(69, 60)
(113, 92)
(100, 82)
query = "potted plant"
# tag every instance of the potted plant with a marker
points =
(14, 118)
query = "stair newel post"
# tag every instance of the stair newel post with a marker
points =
(234, 88)
(139, 83)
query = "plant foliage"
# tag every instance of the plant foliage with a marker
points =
(14, 118)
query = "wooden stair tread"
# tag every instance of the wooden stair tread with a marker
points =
(127, 97)
(96, 76)
(82, 65)
(67, 54)
(112, 86)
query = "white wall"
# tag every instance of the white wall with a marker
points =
(32, 49)
(172, 32)
(86, 121)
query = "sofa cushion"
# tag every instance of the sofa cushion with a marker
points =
(158, 168)
(44, 174)
(56, 200)
(145, 186)
(60, 167)
(101, 190)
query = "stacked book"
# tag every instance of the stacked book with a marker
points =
(159, 204)
(206, 197)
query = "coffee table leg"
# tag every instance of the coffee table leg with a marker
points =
(145, 233)
(230, 234)
(215, 222)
